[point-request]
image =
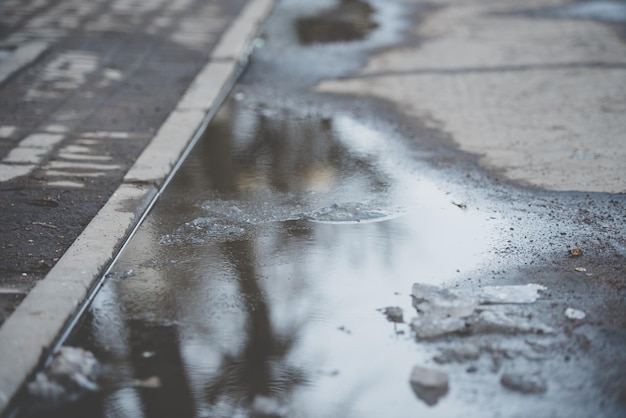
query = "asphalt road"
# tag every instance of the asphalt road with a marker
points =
(74, 119)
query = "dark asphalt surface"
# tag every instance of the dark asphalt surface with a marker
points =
(110, 76)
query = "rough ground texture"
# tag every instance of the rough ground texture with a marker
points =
(538, 94)
(73, 120)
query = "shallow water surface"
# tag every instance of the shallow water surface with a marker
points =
(259, 278)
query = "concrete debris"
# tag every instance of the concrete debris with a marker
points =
(458, 354)
(72, 374)
(433, 326)
(524, 383)
(490, 309)
(394, 314)
(505, 322)
(429, 384)
(448, 302)
(575, 314)
(528, 293)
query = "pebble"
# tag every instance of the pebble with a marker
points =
(429, 384)
(575, 314)
(524, 383)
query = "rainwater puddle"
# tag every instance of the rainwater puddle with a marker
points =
(4, 54)
(349, 20)
(295, 257)
(601, 10)
(259, 278)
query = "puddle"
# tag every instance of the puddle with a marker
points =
(350, 20)
(605, 11)
(350, 213)
(283, 258)
(602, 10)
(283, 235)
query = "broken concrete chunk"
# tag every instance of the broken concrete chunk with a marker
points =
(524, 383)
(528, 293)
(459, 353)
(446, 302)
(394, 314)
(72, 373)
(427, 297)
(429, 384)
(502, 321)
(491, 309)
(575, 314)
(433, 326)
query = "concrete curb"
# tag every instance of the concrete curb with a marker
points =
(33, 330)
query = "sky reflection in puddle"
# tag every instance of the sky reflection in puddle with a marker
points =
(288, 309)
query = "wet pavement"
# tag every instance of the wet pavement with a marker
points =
(320, 255)
(104, 77)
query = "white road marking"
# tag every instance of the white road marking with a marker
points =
(21, 155)
(106, 134)
(66, 183)
(73, 156)
(57, 165)
(57, 129)
(45, 141)
(9, 172)
(55, 173)
(68, 71)
(7, 131)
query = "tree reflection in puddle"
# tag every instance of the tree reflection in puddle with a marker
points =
(283, 315)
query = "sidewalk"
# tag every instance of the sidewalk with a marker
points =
(98, 102)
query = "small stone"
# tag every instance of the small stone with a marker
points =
(575, 314)
(524, 383)
(394, 314)
(72, 374)
(576, 252)
(459, 354)
(429, 384)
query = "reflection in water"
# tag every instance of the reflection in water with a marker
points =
(239, 304)
(260, 368)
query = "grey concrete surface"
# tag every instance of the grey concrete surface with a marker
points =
(75, 97)
(535, 91)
